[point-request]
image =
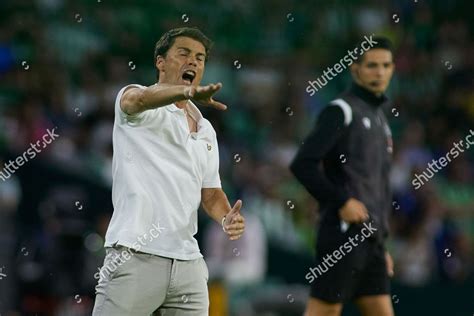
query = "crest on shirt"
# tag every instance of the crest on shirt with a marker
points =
(209, 147)
(366, 122)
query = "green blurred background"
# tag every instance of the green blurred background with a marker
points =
(63, 62)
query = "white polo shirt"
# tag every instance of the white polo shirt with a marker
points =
(158, 170)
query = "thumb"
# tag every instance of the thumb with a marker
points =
(237, 206)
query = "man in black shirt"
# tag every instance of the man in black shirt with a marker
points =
(344, 163)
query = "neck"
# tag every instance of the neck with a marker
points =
(181, 104)
(378, 94)
(375, 99)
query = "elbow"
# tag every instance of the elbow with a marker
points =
(140, 104)
(136, 103)
(302, 168)
(132, 106)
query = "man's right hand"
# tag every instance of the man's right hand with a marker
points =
(203, 95)
(353, 211)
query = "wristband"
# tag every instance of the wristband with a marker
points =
(222, 223)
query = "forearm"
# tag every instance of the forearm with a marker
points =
(216, 205)
(138, 100)
(160, 95)
(310, 175)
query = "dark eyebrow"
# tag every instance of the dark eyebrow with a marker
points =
(184, 48)
(188, 51)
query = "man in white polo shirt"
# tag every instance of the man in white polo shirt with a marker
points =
(165, 164)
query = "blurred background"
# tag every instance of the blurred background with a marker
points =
(62, 63)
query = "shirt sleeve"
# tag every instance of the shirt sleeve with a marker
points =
(134, 119)
(211, 177)
(307, 166)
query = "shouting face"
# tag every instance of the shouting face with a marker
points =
(183, 63)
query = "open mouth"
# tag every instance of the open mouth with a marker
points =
(188, 76)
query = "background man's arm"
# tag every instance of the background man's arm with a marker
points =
(306, 166)
(308, 170)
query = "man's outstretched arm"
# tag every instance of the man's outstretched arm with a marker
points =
(135, 100)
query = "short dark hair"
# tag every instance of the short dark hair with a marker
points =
(380, 42)
(167, 40)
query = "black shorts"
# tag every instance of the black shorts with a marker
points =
(353, 271)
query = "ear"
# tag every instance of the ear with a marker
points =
(160, 63)
(354, 70)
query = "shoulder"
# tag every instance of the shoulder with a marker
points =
(342, 108)
(130, 86)
(209, 129)
(127, 94)
(124, 90)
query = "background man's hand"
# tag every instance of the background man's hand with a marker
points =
(234, 224)
(353, 211)
(203, 95)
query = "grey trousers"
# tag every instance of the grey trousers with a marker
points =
(139, 284)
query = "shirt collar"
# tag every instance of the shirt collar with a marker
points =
(196, 114)
(368, 96)
(172, 107)
(192, 108)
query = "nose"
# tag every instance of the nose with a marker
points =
(192, 60)
(380, 71)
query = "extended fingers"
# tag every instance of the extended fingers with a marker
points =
(210, 87)
(203, 95)
(215, 86)
(204, 89)
(218, 105)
